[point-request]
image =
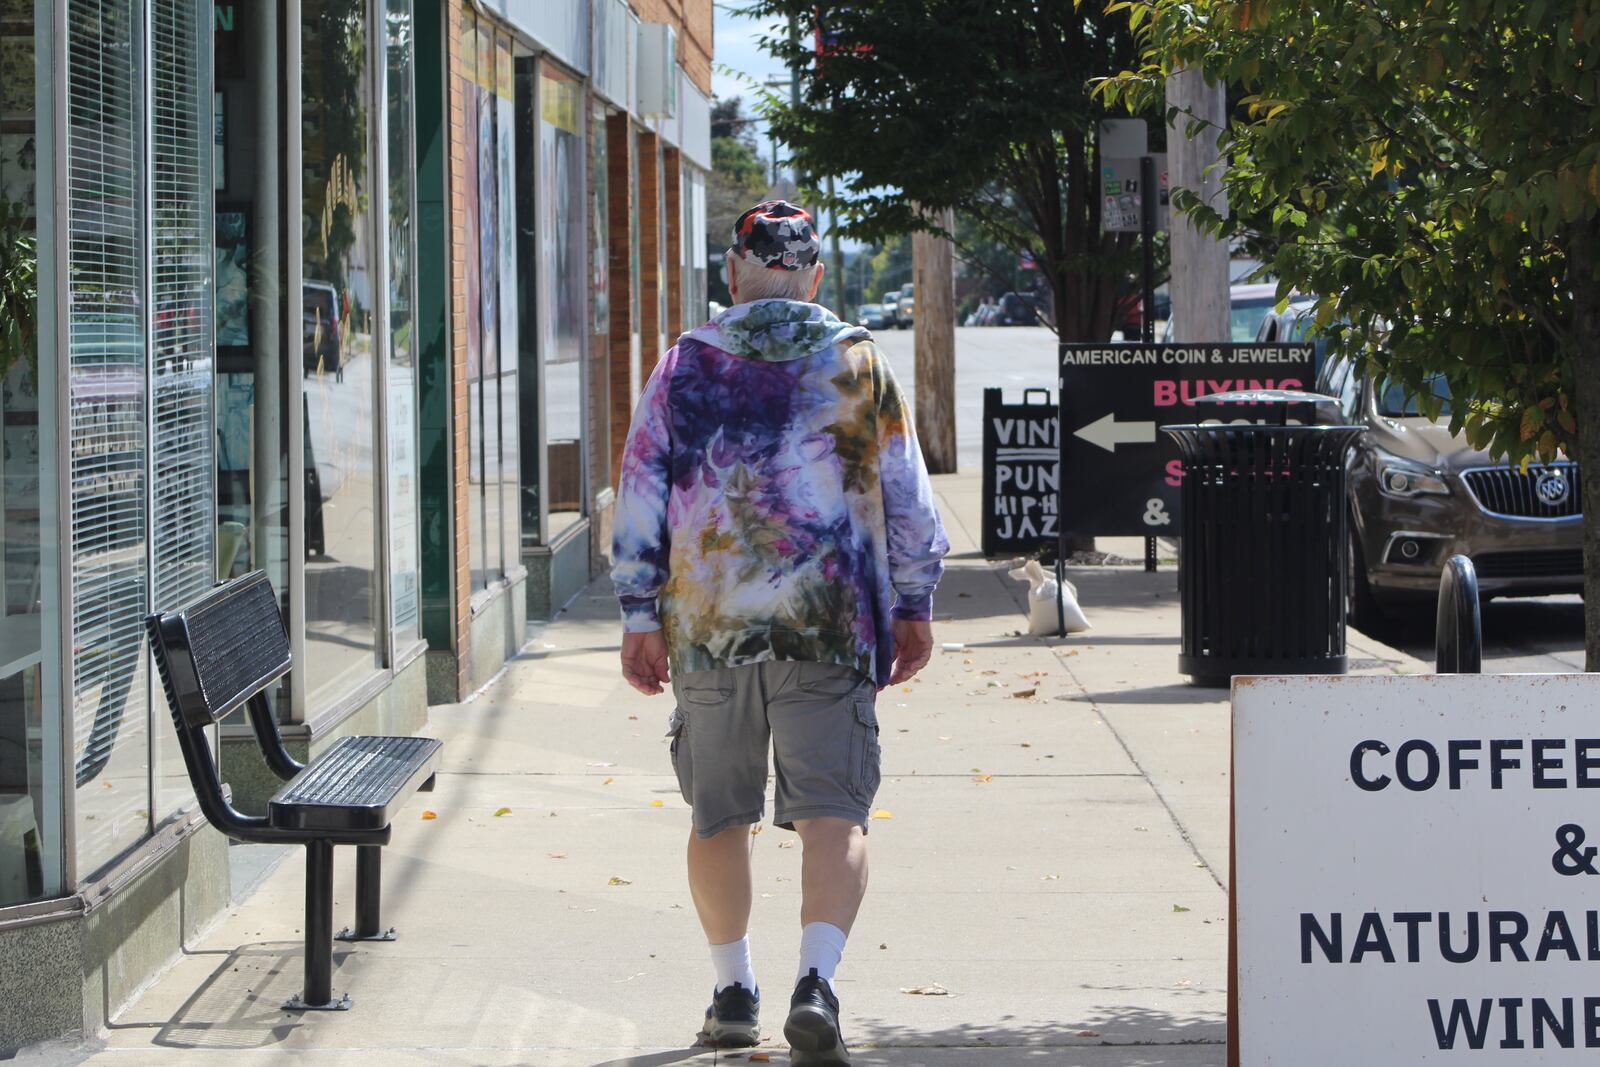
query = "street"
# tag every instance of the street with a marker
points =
(1535, 635)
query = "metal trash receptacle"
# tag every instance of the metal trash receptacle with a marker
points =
(1262, 570)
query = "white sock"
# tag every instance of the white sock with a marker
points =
(821, 948)
(732, 962)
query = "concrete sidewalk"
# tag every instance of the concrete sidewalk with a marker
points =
(1048, 859)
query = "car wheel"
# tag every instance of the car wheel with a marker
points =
(1362, 609)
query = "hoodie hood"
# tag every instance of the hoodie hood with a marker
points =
(776, 331)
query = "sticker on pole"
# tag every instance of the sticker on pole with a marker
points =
(1416, 877)
(1120, 476)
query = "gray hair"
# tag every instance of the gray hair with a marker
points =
(757, 282)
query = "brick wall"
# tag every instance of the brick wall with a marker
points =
(458, 347)
(693, 21)
(672, 217)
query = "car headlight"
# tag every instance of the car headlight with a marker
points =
(1402, 479)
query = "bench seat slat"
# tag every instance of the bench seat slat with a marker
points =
(355, 784)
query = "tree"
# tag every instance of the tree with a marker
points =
(977, 105)
(738, 177)
(1430, 170)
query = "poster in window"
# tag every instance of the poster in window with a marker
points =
(233, 288)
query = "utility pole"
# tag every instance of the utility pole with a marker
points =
(1199, 282)
(934, 322)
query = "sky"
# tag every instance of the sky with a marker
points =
(737, 49)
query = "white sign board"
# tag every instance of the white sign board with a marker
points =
(1416, 877)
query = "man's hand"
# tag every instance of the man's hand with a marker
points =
(644, 661)
(913, 644)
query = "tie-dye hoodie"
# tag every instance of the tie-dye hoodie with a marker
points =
(773, 502)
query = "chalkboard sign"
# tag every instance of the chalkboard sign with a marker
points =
(1021, 455)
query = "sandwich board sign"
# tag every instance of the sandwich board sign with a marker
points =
(1020, 458)
(1121, 473)
(1415, 875)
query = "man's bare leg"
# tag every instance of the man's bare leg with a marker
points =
(833, 871)
(720, 882)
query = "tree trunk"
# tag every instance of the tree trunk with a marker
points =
(1199, 281)
(1583, 270)
(934, 321)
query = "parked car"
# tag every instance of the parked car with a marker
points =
(875, 317)
(1128, 315)
(1017, 310)
(322, 330)
(1294, 324)
(1248, 305)
(905, 307)
(1419, 494)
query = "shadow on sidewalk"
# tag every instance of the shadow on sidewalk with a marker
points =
(239, 1006)
(1150, 1039)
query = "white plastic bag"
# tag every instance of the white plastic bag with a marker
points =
(1043, 618)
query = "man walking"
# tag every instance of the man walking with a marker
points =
(777, 541)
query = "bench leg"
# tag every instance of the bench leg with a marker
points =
(317, 994)
(369, 898)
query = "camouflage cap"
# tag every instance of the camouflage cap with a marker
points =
(776, 234)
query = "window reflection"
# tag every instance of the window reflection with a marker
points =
(25, 864)
(339, 271)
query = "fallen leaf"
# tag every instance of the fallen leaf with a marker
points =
(556, 855)
(984, 778)
(618, 881)
(658, 803)
(760, 1057)
(1025, 692)
(884, 945)
(502, 811)
(786, 844)
(608, 781)
(934, 990)
(1087, 1033)
(602, 765)
(1179, 908)
(1141, 829)
(943, 737)
(430, 815)
(977, 770)
(634, 718)
(756, 829)
(882, 813)
(905, 689)
(1051, 878)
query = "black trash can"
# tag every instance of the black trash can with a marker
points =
(1262, 569)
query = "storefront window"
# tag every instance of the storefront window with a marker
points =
(402, 374)
(565, 302)
(254, 341)
(30, 725)
(488, 78)
(599, 263)
(106, 402)
(340, 271)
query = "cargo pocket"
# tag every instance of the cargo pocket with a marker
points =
(865, 753)
(682, 765)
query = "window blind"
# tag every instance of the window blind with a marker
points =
(182, 435)
(106, 421)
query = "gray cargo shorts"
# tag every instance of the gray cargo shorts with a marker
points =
(823, 724)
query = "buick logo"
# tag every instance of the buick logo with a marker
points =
(1552, 488)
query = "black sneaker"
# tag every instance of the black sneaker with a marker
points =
(733, 1019)
(813, 1025)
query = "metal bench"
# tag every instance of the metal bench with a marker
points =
(222, 652)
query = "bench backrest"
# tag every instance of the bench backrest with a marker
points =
(217, 652)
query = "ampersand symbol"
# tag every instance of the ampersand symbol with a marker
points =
(1155, 513)
(1572, 858)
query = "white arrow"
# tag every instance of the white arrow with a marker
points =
(1108, 433)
